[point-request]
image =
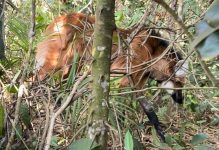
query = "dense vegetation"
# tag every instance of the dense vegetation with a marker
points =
(194, 125)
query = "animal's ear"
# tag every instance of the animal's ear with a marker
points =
(181, 68)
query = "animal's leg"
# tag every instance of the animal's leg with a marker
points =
(148, 109)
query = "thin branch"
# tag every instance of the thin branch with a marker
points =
(85, 7)
(10, 3)
(154, 88)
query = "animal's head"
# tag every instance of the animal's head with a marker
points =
(167, 66)
(176, 80)
(169, 69)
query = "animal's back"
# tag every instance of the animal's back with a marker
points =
(73, 32)
(66, 34)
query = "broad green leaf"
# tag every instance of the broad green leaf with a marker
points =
(198, 138)
(209, 47)
(207, 34)
(2, 115)
(83, 144)
(211, 15)
(203, 30)
(25, 115)
(129, 144)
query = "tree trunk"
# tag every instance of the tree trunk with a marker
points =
(101, 52)
(2, 45)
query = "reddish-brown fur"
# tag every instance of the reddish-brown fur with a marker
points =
(145, 57)
(72, 32)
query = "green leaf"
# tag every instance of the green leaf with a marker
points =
(217, 133)
(198, 138)
(20, 30)
(140, 126)
(19, 132)
(71, 77)
(12, 88)
(129, 141)
(215, 121)
(178, 147)
(112, 119)
(211, 16)
(119, 16)
(83, 144)
(204, 147)
(169, 140)
(201, 121)
(156, 140)
(25, 115)
(209, 47)
(137, 144)
(207, 34)
(2, 116)
(16, 76)
(54, 141)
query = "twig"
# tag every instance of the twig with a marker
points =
(85, 7)
(10, 3)
(185, 29)
(61, 109)
(23, 76)
(151, 88)
(3, 8)
(139, 27)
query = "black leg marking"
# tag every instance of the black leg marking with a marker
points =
(152, 117)
(178, 96)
